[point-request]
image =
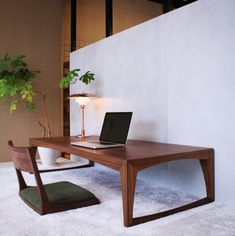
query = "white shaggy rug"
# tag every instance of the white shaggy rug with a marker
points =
(17, 219)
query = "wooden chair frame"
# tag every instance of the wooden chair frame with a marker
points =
(24, 160)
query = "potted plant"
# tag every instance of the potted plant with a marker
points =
(17, 83)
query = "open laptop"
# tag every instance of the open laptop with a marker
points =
(114, 131)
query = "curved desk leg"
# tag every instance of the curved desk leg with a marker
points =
(208, 172)
(128, 176)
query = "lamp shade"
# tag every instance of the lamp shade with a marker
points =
(82, 98)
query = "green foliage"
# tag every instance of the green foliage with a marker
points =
(69, 78)
(16, 81)
(87, 77)
(72, 76)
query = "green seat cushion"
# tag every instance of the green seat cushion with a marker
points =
(60, 192)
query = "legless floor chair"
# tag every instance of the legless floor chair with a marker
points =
(48, 198)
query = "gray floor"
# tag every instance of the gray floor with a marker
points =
(106, 219)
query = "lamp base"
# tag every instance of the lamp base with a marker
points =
(83, 133)
(82, 136)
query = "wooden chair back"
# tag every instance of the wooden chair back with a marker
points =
(23, 157)
(24, 160)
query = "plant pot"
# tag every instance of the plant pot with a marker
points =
(48, 156)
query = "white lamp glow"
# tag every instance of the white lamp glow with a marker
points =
(82, 99)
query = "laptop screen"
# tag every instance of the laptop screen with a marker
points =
(115, 127)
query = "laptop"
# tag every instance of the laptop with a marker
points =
(113, 134)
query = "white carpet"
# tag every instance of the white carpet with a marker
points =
(106, 219)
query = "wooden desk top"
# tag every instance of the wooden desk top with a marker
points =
(135, 150)
(134, 157)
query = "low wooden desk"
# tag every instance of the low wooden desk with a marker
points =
(136, 156)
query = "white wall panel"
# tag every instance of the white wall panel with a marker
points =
(201, 90)
(130, 71)
(176, 73)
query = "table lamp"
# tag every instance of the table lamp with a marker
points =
(82, 99)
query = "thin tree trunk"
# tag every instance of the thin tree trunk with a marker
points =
(41, 125)
(48, 129)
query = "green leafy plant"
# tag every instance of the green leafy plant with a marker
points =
(71, 78)
(16, 83)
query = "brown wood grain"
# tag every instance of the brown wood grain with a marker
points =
(24, 160)
(134, 157)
